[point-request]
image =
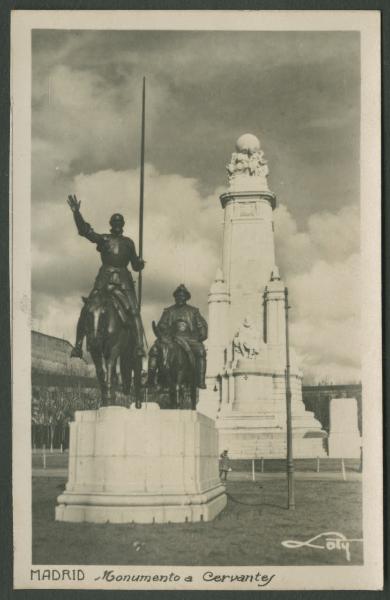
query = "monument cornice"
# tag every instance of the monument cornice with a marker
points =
(246, 370)
(233, 195)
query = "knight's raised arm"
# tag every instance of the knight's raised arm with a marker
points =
(74, 204)
(83, 227)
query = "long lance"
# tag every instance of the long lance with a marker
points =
(141, 196)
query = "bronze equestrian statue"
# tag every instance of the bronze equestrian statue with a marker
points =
(110, 317)
(177, 359)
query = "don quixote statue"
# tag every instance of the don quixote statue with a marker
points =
(110, 321)
(110, 318)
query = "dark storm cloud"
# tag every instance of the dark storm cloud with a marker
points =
(298, 91)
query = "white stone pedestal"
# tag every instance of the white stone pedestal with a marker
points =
(344, 438)
(252, 419)
(142, 466)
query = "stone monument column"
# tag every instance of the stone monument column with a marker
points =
(246, 386)
(248, 239)
(274, 318)
(218, 338)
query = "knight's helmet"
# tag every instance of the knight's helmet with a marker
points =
(181, 289)
(117, 218)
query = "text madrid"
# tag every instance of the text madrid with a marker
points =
(110, 576)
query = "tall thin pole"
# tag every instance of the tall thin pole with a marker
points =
(290, 460)
(141, 196)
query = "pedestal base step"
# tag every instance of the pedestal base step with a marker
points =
(105, 508)
(270, 444)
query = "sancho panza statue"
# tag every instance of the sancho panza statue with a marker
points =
(116, 252)
(182, 322)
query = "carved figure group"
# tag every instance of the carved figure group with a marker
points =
(253, 164)
(246, 341)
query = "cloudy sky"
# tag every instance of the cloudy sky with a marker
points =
(297, 91)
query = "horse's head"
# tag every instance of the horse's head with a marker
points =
(162, 337)
(96, 306)
(164, 346)
(156, 330)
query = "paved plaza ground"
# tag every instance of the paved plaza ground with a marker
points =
(250, 530)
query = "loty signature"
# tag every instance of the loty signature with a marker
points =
(330, 540)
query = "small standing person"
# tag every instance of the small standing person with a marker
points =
(224, 465)
(116, 252)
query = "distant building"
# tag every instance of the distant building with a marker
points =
(60, 385)
(317, 399)
(51, 363)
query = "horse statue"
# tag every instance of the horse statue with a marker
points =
(176, 370)
(110, 341)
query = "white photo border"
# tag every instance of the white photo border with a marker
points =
(367, 576)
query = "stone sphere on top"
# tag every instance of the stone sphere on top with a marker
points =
(248, 144)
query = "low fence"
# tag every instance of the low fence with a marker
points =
(301, 465)
(44, 458)
(276, 465)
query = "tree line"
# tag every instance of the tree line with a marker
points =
(53, 408)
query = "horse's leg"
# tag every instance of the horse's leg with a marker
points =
(175, 378)
(109, 361)
(191, 378)
(193, 395)
(182, 379)
(170, 382)
(179, 388)
(137, 381)
(113, 343)
(125, 368)
(129, 364)
(97, 359)
(179, 392)
(114, 378)
(172, 395)
(111, 357)
(109, 370)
